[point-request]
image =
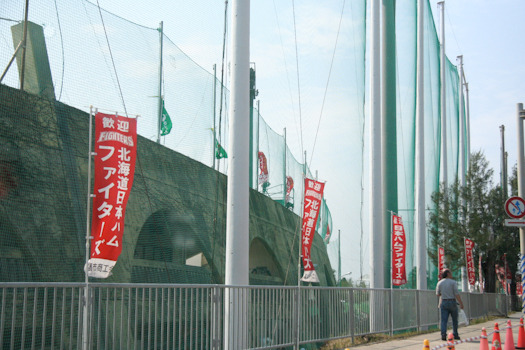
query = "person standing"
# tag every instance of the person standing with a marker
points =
(447, 290)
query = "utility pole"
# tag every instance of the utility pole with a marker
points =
(520, 113)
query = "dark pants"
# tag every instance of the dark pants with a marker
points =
(449, 307)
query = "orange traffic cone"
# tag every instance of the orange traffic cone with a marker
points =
(509, 339)
(496, 340)
(426, 344)
(521, 336)
(450, 342)
(483, 342)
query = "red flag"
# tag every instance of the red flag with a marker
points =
(263, 168)
(313, 194)
(328, 232)
(480, 274)
(471, 270)
(398, 252)
(289, 188)
(115, 154)
(441, 261)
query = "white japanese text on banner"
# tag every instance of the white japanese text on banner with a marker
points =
(399, 248)
(313, 195)
(115, 155)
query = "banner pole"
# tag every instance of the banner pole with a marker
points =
(85, 319)
(391, 274)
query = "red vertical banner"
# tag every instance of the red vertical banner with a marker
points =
(313, 194)
(398, 252)
(115, 155)
(441, 261)
(471, 270)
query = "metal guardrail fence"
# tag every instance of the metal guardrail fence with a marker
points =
(153, 316)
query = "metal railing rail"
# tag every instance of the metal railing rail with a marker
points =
(160, 316)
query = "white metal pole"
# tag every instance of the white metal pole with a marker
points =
(285, 187)
(462, 148)
(339, 259)
(376, 190)
(237, 204)
(420, 219)
(467, 112)
(444, 167)
(85, 316)
(214, 115)
(391, 274)
(161, 100)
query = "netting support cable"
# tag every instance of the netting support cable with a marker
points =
(21, 45)
(112, 60)
(298, 78)
(328, 80)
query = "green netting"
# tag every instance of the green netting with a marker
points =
(452, 86)
(175, 221)
(406, 75)
(196, 100)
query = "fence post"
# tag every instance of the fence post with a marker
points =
(297, 316)
(418, 310)
(352, 315)
(216, 318)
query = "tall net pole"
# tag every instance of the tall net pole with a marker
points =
(420, 220)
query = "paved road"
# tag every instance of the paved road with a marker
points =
(416, 342)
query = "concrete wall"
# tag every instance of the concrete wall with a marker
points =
(176, 209)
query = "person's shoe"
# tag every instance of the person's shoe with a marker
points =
(443, 337)
(456, 337)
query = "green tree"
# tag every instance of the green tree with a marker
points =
(475, 211)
